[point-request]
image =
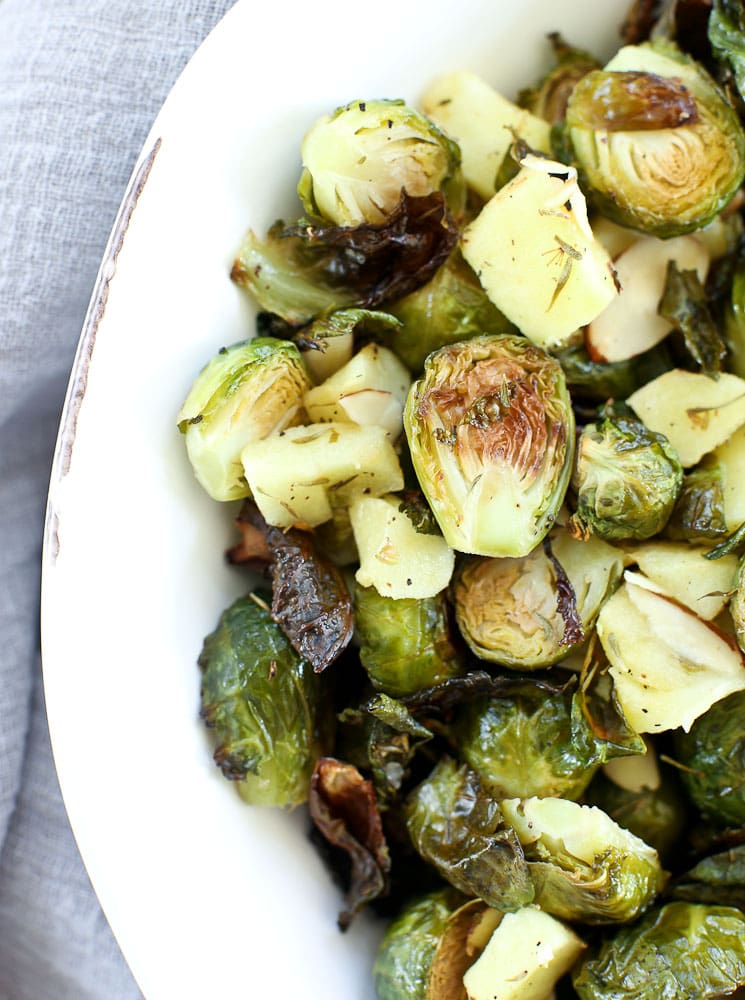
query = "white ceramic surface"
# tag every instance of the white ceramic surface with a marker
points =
(208, 897)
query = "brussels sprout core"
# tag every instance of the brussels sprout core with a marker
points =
(491, 432)
(358, 160)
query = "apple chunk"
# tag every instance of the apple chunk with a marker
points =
(668, 666)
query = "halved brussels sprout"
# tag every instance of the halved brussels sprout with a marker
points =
(359, 159)
(584, 866)
(656, 141)
(451, 307)
(680, 952)
(246, 392)
(429, 946)
(491, 432)
(266, 706)
(406, 644)
(712, 756)
(455, 825)
(530, 612)
(626, 478)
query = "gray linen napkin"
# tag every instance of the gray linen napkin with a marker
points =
(80, 83)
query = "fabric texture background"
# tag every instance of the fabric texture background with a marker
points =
(80, 83)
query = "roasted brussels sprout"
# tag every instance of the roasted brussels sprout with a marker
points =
(528, 613)
(584, 866)
(522, 745)
(451, 307)
(405, 644)
(680, 952)
(429, 946)
(357, 161)
(718, 879)
(627, 479)
(491, 432)
(266, 706)
(458, 827)
(712, 756)
(699, 511)
(243, 394)
(657, 144)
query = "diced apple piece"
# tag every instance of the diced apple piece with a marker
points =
(483, 123)
(301, 475)
(526, 955)
(730, 456)
(685, 574)
(332, 353)
(371, 388)
(395, 558)
(536, 256)
(668, 666)
(631, 324)
(694, 412)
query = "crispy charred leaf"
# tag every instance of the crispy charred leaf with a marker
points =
(548, 98)
(727, 37)
(677, 952)
(566, 601)
(441, 699)
(382, 737)
(344, 808)
(717, 879)
(732, 543)
(310, 599)
(600, 380)
(630, 101)
(405, 644)
(265, 704)
(301, 271)
(699, 510)
(458, 827)
(640, 19)
(684, 304)
(315, 336)
(418, 511)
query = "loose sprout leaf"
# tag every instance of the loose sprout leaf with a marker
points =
(548, 98)
(418, 512)
(458, 827)
(718, 879)
(640, 19)
(684, 304)
(727, 37)
(730, 544)
(632, 101)
(344, 808)
(310, 599)
(680, 951)
(387, 260)
(440, 699)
